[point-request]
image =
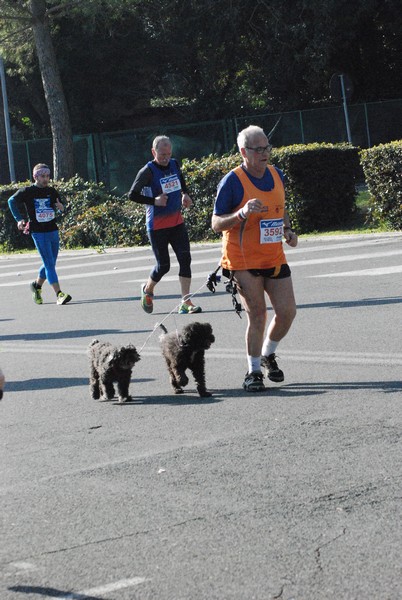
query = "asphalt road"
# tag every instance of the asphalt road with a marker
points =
(292, 494)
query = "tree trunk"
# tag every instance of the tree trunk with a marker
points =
(63, 152)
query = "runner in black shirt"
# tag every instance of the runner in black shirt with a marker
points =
(39, 202)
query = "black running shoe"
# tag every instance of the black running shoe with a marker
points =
(273, 372)
(254, 382)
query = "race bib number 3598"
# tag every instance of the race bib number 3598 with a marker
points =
(271, 231)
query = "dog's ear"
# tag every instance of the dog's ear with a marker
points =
(185, 336)
(209, 331)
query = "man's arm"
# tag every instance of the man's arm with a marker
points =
(16, 206)
(224, 222)
(143, 180)
(289, 235)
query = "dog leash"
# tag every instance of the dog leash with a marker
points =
(172, 312)
(211, 282)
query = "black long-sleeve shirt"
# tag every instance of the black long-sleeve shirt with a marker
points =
(143, 179)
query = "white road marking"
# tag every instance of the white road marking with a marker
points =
(146, 267)
(105, 589)
(355, 358)
(348, 258)
(364, 272)
(370, 240)
(118, 271)
(102, 258)
(23, 566)
(168, 278)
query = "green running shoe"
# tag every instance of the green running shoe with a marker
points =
(36, 293)
(147, 300)
(63, 298)
(185, 309)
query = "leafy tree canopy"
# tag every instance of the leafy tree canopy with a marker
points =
(200, 59)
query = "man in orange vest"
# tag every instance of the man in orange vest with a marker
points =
(250, 212)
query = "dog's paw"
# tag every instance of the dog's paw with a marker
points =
(122, 400)
(178, 391)
(204, 394)
(183, 381)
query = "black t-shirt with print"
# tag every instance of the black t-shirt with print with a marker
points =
(40, 205)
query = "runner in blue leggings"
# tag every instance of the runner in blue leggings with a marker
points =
(39, 202)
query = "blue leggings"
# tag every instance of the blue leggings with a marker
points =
(177, 237)
(47, 244)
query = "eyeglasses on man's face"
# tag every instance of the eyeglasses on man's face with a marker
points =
(260, 149)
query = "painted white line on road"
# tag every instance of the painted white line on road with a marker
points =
(364, 272)
(142, 268)
(305, 245)
(63, 257)
(105, 589)
(355, 358)
(23, 566)
(319, 246)
(117, 271)
(169, 278)
(102, 258)
(347, 258)
(80, 265)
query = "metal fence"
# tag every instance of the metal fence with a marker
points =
(114, 158)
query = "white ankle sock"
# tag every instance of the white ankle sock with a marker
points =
(269, 347)
(254, 363)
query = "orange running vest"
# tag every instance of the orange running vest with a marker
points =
(242, 248)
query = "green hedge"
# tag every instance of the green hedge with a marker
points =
(10, 237)
(382, 167)
(95, 217)
(320, 185)
(202, 177)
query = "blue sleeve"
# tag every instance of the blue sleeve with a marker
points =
(281, 174)
(229, 195)
(12, 204)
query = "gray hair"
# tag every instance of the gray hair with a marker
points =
(159, 139)
(245, 135)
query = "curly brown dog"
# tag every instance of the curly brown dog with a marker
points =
(109, 364)
(186, 350)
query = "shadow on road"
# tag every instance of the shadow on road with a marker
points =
(173, 400)
(306, 389)
(52, 593)
(354, 303)
(289, 390)
(48, 383)
(61, 335)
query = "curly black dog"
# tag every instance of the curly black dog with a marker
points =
(109, 364)
(186, 350)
